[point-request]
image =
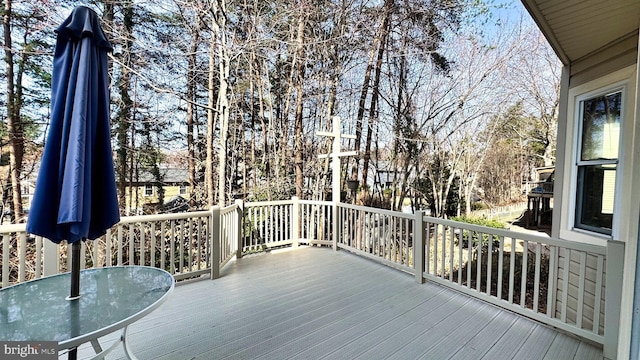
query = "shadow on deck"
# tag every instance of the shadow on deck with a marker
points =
(313, 303)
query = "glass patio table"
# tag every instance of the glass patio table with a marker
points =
(111, 298)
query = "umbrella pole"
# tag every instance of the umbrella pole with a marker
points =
(75, 284)
(75, 270)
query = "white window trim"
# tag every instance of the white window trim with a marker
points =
(577, 162)
(144, 190)
(623, 80)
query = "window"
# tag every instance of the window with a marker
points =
(183, 190)
(148, 190)
(599, 142)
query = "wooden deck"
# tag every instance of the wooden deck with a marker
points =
(314, 303)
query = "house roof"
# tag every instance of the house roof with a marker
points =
(169, 176)
(577, 28)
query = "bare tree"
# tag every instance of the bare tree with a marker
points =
(14, 125)
(24, 44)
(535, 80)
(299, 66)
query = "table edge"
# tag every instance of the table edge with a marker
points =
(79, 340)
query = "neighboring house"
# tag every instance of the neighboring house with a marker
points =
(597, 174)
(384, 174)
(142, 192)
(146, 189)
(539, 176)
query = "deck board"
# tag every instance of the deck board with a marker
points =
(449, 328)
(313, 303)
(563, 347)
(484, 340)
(509, 343)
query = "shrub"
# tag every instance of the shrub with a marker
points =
(478, 205)
(481, 221)
(475, 235)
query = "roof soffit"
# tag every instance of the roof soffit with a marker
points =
(578, 28)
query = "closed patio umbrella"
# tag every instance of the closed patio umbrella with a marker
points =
(75, 196)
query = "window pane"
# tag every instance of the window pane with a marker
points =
(596, 188)
(601, 127)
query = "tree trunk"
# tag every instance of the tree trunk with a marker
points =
(375, 48)
(252, 100)
(222, 106)
(14, 123)
(270, 147)
(298, 160)
(398, 124)
(266, 130)
(123, 118)
(191, 111)
(211, 124)
(375, 93)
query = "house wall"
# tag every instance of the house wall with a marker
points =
(171, 191)
(617, 64)
(589, 308)
(630, 284)
(615, 57)
(138, 192)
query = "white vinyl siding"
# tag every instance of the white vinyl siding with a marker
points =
(581, 273)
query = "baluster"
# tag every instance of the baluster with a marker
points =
(523, 283)
(536, 280)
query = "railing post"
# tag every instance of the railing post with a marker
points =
(240, 225)
(295, 216)
(50, 257)
(215, 242)
(613, 296)
(418, 247)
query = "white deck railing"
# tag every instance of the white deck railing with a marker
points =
(267, 225)
(315, 224)
(286, 223)
(557, 282)
(382, 235)
(179, 243)
(22, 256)
(230, 232)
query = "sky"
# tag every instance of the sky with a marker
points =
(505, 13)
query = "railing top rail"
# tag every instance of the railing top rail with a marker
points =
(377, 210)
(162, 217)
(13, 228)
(228, 209)
(16, 228)
(268, 203)
(316, 202)
(590, 248)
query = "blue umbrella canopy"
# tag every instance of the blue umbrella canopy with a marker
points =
(75, 196)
